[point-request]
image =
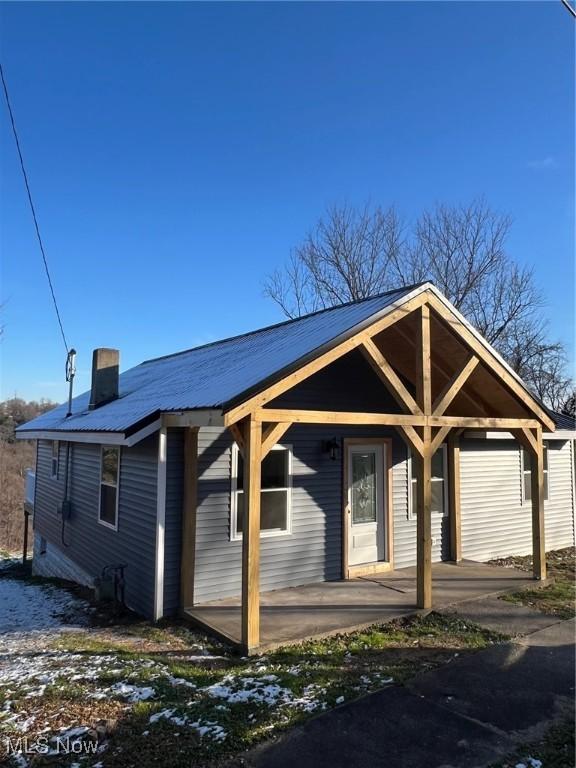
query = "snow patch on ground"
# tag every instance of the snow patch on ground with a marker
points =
(208, 728)
(264, 690)
(132, 693)
(36, 608)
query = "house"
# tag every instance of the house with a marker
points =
(372, 436)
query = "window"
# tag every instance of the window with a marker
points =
(275, 495)
(109, 467)
(439, 484)
(526, 462)
(54, 459)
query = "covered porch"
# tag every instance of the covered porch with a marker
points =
(440, 378)
(328, 608)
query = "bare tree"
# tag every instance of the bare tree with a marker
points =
(569, 407)
(352, 254)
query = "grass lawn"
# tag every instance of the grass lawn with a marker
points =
(557, 598)
(554, 750)
(164, 695)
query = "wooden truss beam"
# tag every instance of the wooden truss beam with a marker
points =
(439, 438)
(476, 346)
(526, 439)
(388, 376)
(272, 435)
(424, 463)
(413, 439)
(300, 416)
(441, 369)
(424, 362)
(238, 436)
(453, 387)
(482, 422)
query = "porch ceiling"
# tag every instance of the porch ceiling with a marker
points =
(320, 610)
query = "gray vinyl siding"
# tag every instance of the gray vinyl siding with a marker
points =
(312, 552)
(87, 542)
(173, 520)
(495, 522)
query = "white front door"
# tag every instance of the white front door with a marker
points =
(366, 503)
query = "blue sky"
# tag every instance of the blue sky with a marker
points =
(177, 152)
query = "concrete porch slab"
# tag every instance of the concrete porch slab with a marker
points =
(327, 608)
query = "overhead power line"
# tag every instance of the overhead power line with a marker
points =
(38, 235)
(567, 5)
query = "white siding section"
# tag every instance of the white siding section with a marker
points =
(495, 523)
(559, 509)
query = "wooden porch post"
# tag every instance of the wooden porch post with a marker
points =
(251, 536)
(424, 525)
(454, 498)
(188, 554)
(531, 440)
(537, 483)
(424, 485)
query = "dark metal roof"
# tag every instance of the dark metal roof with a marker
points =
(564, 422)
(219, 374)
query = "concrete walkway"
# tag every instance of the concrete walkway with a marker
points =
(318, 610)
(466, 714)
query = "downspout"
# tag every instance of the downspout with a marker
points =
(160, 525)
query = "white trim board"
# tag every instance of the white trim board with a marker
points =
(160, 525)
(101, 438)
(205, 417)
(561, 434)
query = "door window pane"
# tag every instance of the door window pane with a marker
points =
(363, 488)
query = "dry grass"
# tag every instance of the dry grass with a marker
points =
(302, 680)
(557, 598)
(554, 750)
(15, 458)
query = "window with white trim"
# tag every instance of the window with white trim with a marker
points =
(275, 494)
(109, 474)
(54, 459)
(439, 481)
(527, 472)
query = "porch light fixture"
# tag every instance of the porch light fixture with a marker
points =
(332, 447)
